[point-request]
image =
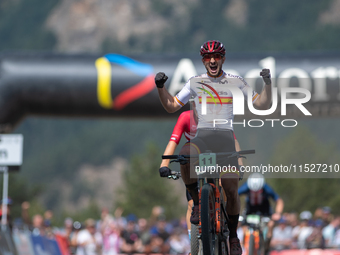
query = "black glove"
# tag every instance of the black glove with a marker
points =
(160, 79)
(164, 171)
(266, 76)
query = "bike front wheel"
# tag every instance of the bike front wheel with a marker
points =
(262, 246)
(251, 248)
(194, 240)
(208, 220)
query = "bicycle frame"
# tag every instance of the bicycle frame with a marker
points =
(219, 229)
(217, 192)
(215, 231)
(254, 238)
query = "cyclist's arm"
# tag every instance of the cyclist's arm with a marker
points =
(238, 148)
(260, 101)
(175, 137)
(168, 101)
(169, 150)
(243, 189)
(174, 103)
(264, 99)
(279, 206)
(279, 202)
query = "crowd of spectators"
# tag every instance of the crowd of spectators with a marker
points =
(307, 230)
(114, 234)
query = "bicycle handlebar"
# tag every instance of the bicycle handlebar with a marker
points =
(174, 156)
(174, 175)
(262, 222)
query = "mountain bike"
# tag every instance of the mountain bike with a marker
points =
(212, 235)
(254, 236)
(194, 241)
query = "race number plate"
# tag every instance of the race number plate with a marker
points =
(207, 163)
(253, 219)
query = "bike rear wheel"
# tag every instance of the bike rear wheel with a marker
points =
(208, 220)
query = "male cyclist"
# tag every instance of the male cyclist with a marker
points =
(213, 57)
(258, 193)
(186, 125)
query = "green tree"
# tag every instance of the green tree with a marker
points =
(19, 191)
(22, 25)
(299, 148)
(143, 188)
(294, 26)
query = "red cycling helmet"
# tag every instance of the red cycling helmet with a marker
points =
(212, 46)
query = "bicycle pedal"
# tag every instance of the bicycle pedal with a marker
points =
(226, 232)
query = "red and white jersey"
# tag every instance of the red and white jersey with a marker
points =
(218, 96)
(256, 197)
(186, 125)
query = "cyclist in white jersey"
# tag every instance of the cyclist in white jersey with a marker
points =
(219, 107)
(214, 88)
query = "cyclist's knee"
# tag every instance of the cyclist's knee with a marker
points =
(185, 167)
(231, 194)
(230, 187)
(185, 150)
(188, 149)
(230, 184)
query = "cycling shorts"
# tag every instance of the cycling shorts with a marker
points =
(218, 140)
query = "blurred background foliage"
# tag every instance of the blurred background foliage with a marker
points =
(141, 186)
(300, 148)
(56, 149)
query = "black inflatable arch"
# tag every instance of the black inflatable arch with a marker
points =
(113, 85)
(68, 85)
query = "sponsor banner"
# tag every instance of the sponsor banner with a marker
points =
(22, 241)
(45, 246)
(7, 245)
(306, 252)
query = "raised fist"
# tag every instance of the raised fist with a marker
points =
(160, 79)
(265, 73)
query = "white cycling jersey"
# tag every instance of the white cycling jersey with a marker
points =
(219, 99)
